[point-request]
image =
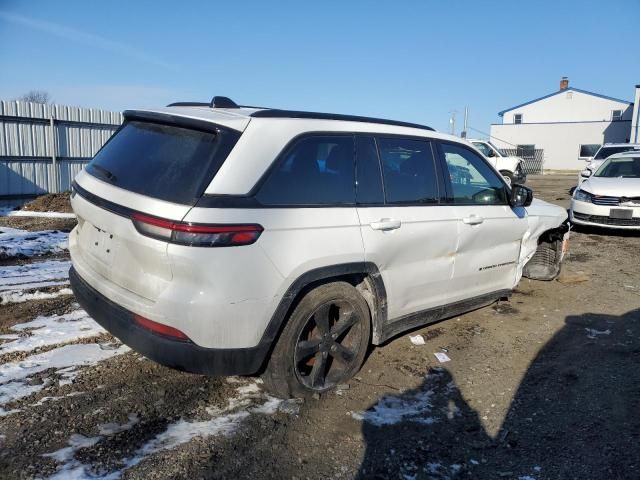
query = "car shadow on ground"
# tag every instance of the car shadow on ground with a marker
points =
(574, 415)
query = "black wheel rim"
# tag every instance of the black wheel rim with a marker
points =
(328, 346)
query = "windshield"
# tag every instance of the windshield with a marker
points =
(605, 152)
(620, 168)
(499, 150)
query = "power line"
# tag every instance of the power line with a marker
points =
(491, 136)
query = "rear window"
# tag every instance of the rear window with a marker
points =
(167, 162)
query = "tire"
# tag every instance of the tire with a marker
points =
(508, 177)
(323, 343)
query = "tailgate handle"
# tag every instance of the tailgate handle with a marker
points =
(473, 220)
(386, 224)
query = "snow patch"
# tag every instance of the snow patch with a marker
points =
(34, 275)
(27, 244)
(113, 428)
(225, 421)
(19, 297)
(593, 333)
(28, 213)
(52, 330)
(16, 378)
(413, 407)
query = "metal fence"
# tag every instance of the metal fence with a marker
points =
(43, 147)
(533, 158)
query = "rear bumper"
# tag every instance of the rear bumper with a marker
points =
(180, 355)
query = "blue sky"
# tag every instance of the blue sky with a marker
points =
(414, 61)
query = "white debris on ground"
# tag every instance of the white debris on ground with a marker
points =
(225, 421)
(51, 330)
(20, 296)
(20, 243)
(28, 213)
(16, 378)
(17, 278)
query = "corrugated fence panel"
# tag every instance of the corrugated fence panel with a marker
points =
(68, 169)
(27, 147)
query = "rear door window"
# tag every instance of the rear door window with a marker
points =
(167, 162)
(316, 170)
(409, 171)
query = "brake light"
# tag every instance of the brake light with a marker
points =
(159, 328)
(196, 235)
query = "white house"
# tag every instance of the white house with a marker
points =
(568, 125)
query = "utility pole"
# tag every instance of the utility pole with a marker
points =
(452, 123)
(463, 134)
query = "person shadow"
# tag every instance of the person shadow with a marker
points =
(575, 415)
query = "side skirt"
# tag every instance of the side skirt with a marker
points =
(425, 317)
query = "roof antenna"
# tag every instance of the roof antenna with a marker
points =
(223, 102)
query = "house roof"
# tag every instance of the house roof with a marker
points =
(570, 89)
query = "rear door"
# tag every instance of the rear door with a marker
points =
(407, 232)
(490, 232)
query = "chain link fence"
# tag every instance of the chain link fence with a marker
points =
(533, 158)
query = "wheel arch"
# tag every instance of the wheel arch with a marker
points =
(364, 276)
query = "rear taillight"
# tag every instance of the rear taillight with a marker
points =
(196, 235)
(160, 329)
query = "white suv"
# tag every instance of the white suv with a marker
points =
(509, 166)
(226, 240)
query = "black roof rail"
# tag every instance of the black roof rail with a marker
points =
(223, 102)
(216, 102)
(275, 113)
(188, 104)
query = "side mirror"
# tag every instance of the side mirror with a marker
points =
(586, 173)
(521, 196)
(491, 154)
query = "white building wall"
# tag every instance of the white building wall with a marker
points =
(569, 106)
(560, 141)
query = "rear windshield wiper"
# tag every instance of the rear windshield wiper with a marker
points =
(105, 172)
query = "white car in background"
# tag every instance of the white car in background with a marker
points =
(604, 152)
(510, 167)
(610, 197)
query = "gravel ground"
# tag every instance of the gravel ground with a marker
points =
(544, 386)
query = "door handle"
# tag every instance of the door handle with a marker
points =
(386, 224)
(473, 220)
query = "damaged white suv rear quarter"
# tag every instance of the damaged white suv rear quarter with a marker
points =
(225, 240)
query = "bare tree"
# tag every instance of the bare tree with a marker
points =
(36, 96)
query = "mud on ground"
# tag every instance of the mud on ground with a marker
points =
(545, 386)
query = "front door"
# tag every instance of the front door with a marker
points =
(490, 232)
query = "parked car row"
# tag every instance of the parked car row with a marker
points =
(221, 239)
(609, 196)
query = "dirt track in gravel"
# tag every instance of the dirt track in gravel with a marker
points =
(546, 385)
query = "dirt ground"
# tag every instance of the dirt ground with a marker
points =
(544, 386)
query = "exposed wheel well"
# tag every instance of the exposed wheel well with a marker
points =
(366, 280)
(545, 263)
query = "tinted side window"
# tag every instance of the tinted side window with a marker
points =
(409, 170)
(369, 178)
(316, 170)
(473, 182)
